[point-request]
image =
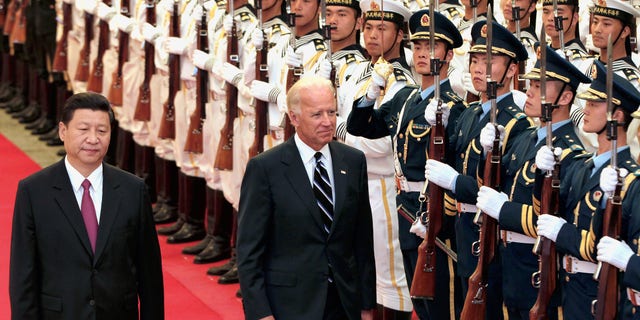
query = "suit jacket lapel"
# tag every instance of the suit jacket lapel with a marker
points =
(339, 182)
(298, 179)
(109, 211)
(66, 199)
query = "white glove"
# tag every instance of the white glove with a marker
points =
(491, 201)
(208, 5)
(292, 58)
(418, 228)
(488, 134)
(231, 73)
(227, 24)
(257, 38)
(105, 12)
(545, 159)
(609, 179)
(122, 23)
(440, 173)
(166, 6)
(149, 32)
(467, 83)
(614, 252)
(325, 69)
(89, 6)
(197, 12)
(202, 60)
(430, 112)
(265, 91)
(549, 226)
(380, 73)
(175, 45)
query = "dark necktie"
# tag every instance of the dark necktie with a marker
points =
(88, 211)
(322, 191)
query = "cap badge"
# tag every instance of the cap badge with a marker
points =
(483, 31)
(375, 6)
(424, 21)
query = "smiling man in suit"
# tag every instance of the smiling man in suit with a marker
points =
(84, 244)
(305, 247)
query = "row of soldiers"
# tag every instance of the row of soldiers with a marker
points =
(199, 87)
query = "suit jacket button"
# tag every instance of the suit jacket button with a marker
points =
(92, 302)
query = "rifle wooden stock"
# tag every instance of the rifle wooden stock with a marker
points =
(12, 9)
(143, 105)
(60, 57)
(224, 154)
(546, 277)
(82, 72)
(115, 91)
(475, 303)
(168, 123)
(194, 137)
(3, 13)
(607, 301)
(95, 77)
(262, 107)
(293, 75)
(19, 31)
(423, 285)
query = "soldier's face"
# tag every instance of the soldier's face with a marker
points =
(377, 33)
(422, 55)
(478, 70)
(533, 105)
(344, 22)
(570, 19)
(602, 27)
(306, 11)
(595, 116)
(526, 7)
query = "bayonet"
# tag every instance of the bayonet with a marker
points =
(515, 15)
(558, 22)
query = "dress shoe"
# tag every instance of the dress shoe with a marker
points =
(212, 253)
(239, 294)
(189, 232)
(49, 135)
(45, 127)
(33, 125)
(23, 112)
(7, 92)
(169, 230)
(166, 214)
(230, 277)
(13, 105)
(55, 142)
(195, 249)
(158, 206)
(220, 270)
(31, 116)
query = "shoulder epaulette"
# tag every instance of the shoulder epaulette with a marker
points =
(399, 74)
(244, 16)
(630, 74)
(453, 12)
(515, 112)
(585, 155)
(319, 43)
(455, 98)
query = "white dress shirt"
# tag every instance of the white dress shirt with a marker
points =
(95, 190)
(309, 160)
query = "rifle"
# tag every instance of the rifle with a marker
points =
(606, 305)
(11, 18)
(19, 32)
(546, 277)
(95, 78)
(520, 84)
(194, 136)
(143, 106)
(558, 24)
(115, 92)
(262, 111)
(60, 58)
(293, 75)
(224, 155)
(470, 97)
(475, 303)
(423, 285)
(326, 31)
(82, 73)
(3, 13)
(168, 124)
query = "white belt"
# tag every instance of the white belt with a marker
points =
(510, 236)
(574, 265)
(408, 186)
(634, 297)
(466, 207)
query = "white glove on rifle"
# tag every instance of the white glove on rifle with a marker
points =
(441, 174)
(467, 83)
(89, 6)
(545, 159)
(292, 58)
(549, 226)
(614, 252)
(375, 87)
(202, 60)
(257, 38)
(488, 134)
(122, 23)
(418, 228)
(227, 24)
(609, 179)
(175, 45)
(491, 201)
(105, 12)
(231, 74)
(265, 91)
(149, 32)
(430, 112)
(196, 14)
(325, 69)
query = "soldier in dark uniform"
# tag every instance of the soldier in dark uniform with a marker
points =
(467, 153)
(403, 118)
(579, 228)
(513, 207)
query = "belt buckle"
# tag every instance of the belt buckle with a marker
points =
(402, 184)
(569, 264)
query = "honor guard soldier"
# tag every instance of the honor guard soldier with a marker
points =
(308, 46)
(451, 9)
(467, 151)
(520, 19)
(580, 224)
(513, 207)
(403, 118)
(345, 20)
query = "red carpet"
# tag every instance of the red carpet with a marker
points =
(189, 292)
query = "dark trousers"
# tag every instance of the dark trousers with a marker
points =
(333, 309)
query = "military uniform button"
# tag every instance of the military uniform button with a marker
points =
(462, 156)
(566, 278)
(400, 136)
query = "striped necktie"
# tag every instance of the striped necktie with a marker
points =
(322, 191)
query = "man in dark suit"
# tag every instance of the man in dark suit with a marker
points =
(84, 244)
(302, 256)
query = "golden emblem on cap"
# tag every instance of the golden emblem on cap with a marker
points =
(483, 31)
(374, 6)
(594, 71)
(424, 21)
(602, 3)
